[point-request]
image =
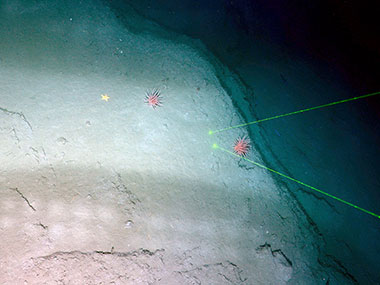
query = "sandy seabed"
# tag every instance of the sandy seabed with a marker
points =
(115, 192)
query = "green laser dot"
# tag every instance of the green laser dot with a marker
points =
(210, 132)
(215, 145)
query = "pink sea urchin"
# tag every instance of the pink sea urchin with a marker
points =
(153, 98)
(242, 146)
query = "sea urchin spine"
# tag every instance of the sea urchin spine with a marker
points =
(242, 146)
(153, 98)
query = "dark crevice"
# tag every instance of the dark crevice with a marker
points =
(274, 252)
(23, 197)
(225, 265)
(333, 262)
(21, 115)
(42, 225)
(138, 252)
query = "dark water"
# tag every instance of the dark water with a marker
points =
(293, 55)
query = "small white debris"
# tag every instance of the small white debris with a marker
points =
(62, 141)
(128, 224)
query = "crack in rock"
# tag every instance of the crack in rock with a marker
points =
(140, 266)
(130, 201)
(275, 253)
(42, 225)
(98, 267)
(22, 196)
(276, 261)
(332, 262)
(217, 272)
(135, 253)
(20, 114)
(308, 192)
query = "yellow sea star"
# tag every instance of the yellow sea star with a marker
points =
(105, 97)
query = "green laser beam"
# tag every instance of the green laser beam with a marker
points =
(293, 113)
(215, 146)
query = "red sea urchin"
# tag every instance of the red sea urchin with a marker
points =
(242, 146)
(153, 98)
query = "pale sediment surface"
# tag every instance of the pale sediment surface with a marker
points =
(116, 192)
